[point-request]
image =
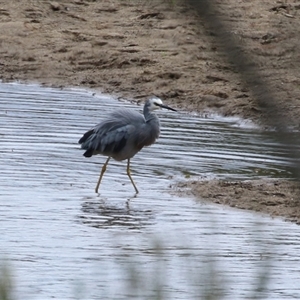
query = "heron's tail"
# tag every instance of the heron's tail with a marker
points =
(85, 144)
(88, 153)
(86, 136)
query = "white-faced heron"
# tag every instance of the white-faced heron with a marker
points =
(123, 134)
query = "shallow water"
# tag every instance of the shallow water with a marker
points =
(63, 241)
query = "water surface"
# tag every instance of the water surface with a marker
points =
(63, 241)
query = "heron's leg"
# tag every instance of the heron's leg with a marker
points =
(128, 173)
(101, 174)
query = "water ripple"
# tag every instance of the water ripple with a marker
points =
(60, 236)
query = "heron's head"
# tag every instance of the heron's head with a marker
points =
(156, 103)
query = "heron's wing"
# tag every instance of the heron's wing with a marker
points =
(110, 136)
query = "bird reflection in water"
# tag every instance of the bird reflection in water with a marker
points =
(103, 215)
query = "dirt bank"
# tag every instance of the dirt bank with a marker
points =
(134, 49)
(274, 197)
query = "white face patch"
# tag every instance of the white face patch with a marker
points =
(155, 104)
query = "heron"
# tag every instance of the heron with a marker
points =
(123, 134)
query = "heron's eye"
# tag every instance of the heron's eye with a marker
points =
(155, 103)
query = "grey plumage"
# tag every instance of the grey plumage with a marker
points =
(122, 134)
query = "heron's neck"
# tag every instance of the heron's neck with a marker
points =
(150, 116)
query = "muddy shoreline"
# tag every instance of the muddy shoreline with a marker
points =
(134, 49)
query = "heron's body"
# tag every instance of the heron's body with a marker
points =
(122, 134)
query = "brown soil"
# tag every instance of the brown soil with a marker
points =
(134, 49)
(275, 197)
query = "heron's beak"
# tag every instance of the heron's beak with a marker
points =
(167, 107)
